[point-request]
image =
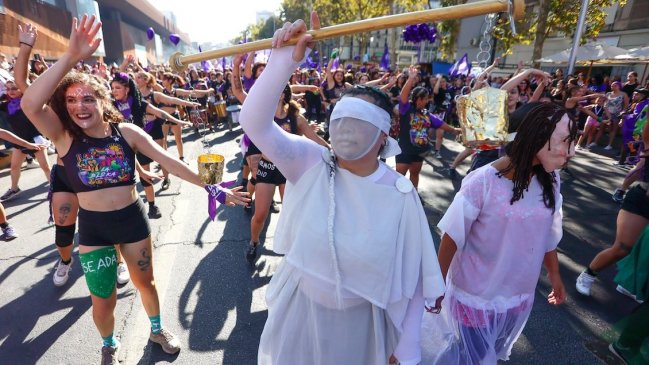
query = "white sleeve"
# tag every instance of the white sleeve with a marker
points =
(465, 208)
(408, 350)
(292, 154)
(458, 219)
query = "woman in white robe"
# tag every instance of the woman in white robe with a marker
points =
(359, 257)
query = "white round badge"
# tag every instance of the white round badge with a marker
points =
(404, 185)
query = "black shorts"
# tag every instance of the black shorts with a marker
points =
(143, 159)
(60, 182)
(268, 173)
(484, 158)
(27, 151)
(636, 201)
(126, 225)
(156, 129)
(175, 115)
(408, 158)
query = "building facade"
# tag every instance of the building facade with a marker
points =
(626, 27)
(124, 28)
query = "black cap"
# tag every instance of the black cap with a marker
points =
(643, 91)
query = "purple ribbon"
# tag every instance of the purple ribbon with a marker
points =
(216, 194)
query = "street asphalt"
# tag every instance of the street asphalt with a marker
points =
(214, 301)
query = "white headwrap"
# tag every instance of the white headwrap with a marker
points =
(357, 108)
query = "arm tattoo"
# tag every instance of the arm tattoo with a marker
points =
(237, 83)
(145, 263)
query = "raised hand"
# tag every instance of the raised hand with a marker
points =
(83, 41)
(237, 60)
(413, 72)
(297, 28)
(27, 34)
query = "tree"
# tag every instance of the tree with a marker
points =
(334, 12)
(549, 18)
(448, 31)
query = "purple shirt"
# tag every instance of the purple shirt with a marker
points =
(404, 108)
(247, 83)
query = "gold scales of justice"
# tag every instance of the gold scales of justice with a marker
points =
(481, 122)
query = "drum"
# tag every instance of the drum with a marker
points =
(234, 112)
(198, 117)
(483, 117)
(221, 111)
(210, 168)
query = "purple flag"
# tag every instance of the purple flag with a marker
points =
(335, 63)
(223, 63)
(204, 64)
(385, 60)
(461, 67)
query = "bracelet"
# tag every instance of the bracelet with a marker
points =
(27, 44)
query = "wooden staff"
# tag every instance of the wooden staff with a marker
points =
(179, 62)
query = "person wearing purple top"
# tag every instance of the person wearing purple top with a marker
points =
(251, 72)
(417, 125)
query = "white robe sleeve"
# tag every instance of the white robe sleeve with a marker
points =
(408, 350)
(292, 154)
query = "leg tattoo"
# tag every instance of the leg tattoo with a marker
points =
(145, 263)
(64, 212)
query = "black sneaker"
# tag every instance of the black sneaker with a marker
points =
(618, 195)
(154, 212)
(274, 208)
(10, 194)
(251, 252)
(183, 160)
(165, 184)
(157, 168)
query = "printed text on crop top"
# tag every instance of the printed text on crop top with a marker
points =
(100, 163)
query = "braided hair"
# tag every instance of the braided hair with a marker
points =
(535, 130)
(138, 108)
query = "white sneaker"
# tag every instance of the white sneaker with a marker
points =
(592, 145)
(620, 289)
(608, 148)
(61, 274)
(584, 282)
(123, 276)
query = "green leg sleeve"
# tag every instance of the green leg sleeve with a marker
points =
(100, 270)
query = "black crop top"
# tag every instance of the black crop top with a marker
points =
(171, 93)
(100, 163)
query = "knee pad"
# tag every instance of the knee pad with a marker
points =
(64, 235)
(100, 269)
(144, 182)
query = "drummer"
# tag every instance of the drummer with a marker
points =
(168, 82)
(153, 125)
(217, 83)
